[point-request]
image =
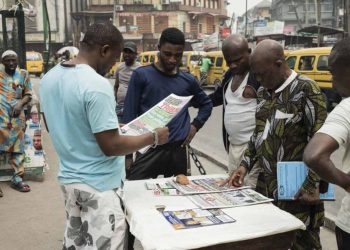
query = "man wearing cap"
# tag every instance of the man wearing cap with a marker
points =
(123, 75)
(15, 93)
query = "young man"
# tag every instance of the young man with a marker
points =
(15, 93)
(336, 132)
(290, 110)
(79, 109)
(237, 95)
(151, 84)
(123, 75)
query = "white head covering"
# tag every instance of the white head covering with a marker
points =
(8, 53)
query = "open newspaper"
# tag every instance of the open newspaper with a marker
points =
(203, 185)
(192, 218)
(235, 198)
(291, 176)
(156, 117)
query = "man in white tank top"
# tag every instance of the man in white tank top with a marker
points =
(237, 94)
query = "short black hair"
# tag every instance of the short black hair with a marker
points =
(340, 54)
(102, 34)
(172, 35)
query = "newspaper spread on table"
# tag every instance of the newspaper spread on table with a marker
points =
(204, 185)
(192, 218)
(156, 117)
(235, 198)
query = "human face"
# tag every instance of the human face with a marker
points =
(129, 57)
(107, 58)
(268, 73)
(170, 56)
(10, 63)
(340, 78)
(37, 142)
(238, 61)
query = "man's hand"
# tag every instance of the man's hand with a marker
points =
(163, 135)
(16, 111)
(237, 177)
(307, 197)
(191, 134)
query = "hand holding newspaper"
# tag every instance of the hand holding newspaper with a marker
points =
(156, 117)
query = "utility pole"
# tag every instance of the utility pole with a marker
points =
(246, 19)
(318, 21)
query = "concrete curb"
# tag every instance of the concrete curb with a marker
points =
(329, 220)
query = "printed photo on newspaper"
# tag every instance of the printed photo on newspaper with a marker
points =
(203, 185)
(158, 116)
(235, 198)
(192, 218)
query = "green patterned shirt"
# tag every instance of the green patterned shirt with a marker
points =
(286, 119)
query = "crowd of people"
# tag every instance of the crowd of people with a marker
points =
(270, 114)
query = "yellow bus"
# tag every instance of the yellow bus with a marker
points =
(34, 63)
(313, 63)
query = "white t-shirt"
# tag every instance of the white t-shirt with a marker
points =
(337, 126)
(239, 118)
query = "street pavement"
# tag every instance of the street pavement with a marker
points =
(35, 220)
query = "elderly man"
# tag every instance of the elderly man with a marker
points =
(15, 93)
(336, 132)
(237, 94)
(291, 108)
(79, 108)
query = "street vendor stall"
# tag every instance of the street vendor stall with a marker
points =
(262, 226)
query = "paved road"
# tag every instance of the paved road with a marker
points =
(35, 220)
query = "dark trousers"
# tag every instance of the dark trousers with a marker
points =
(169, 160)
(343, 239)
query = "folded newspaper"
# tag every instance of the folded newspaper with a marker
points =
(156, 117)
(235, 198)
(290, 177)
(203, 185)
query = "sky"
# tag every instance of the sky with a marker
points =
(238, 6)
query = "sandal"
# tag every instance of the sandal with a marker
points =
(20, 186)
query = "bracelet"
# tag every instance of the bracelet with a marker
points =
(155, 139)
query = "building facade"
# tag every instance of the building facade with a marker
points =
(142, 21)
(298, 14)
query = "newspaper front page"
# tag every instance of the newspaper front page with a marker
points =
(204, 185)
(157, 117)
(235, 198)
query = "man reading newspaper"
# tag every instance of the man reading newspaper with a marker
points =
(147, 87)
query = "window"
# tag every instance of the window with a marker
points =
(145, 59)
(219, 61)
(200, 28)
(306, 63)
(291, 62)
(322, 64)
(152, 59)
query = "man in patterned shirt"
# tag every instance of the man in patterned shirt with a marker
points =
(291, 108)
(15, 93)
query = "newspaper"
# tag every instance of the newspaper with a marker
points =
(290, 177)
(156, 117)
(235, 198)
(203, 185)
(162, 189)
(192, 218)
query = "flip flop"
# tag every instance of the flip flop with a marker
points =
(20, 186)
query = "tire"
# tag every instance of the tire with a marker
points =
(217, 83)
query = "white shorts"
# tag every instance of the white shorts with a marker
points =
(95, 220)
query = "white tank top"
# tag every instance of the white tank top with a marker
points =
(239, 118)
